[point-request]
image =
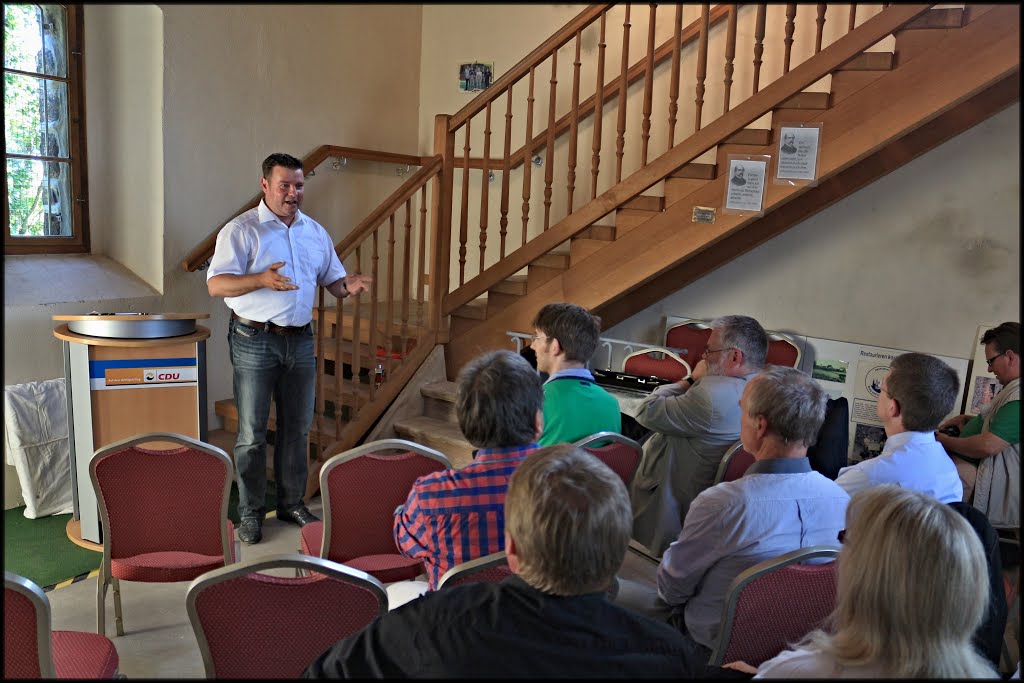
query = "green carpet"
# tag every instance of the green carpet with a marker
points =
(39, 549)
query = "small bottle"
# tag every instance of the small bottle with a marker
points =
(378, 375)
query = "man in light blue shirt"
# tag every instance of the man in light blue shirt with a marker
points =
(917, 394)
(778, 506)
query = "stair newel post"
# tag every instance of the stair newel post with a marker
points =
(620, 128)
(820, 21)
(406, 281)
(441, 218)
(484, 184)
(730, 54)
(645, 133)
(389, 312)
(549, 152)
(673, 80)
(374, 305)
(598, 110)
(356, 354)
(758, 43)
(528, 157)
(421, 268)
(853, 17)
(702, 63)
(788, 40)
(506, 167)
(574, 124)
(464, 217)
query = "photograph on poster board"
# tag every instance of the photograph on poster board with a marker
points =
(475, 76)
(830, 370)
(980, 377)
(745, 189)
(798, 153)
(984, 390)
(868, 442)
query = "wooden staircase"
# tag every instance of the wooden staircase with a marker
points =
(438, 427)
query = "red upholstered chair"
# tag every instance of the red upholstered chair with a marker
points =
(619, 452)
(690, 336)
(491, 568)
(734, 463)
(32, 650)
(361, 489)
(254, 625)
(163, 513)
(774, 603)
(782, 351)
(656, 362)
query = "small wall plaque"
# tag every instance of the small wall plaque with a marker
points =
(703, 214)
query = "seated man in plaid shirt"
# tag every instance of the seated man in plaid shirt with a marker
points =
(456, 516)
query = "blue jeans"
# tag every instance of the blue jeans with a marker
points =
(267, 365)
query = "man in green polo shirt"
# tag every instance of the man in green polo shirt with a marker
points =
(987, 452)
(565, 337)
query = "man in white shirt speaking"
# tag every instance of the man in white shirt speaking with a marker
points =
(917, 394)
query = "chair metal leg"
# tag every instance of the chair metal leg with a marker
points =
(118, 620)
(101, 595)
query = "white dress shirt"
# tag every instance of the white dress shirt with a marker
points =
(914, 460)
(253, 241)
(808, 663)
(778, 506)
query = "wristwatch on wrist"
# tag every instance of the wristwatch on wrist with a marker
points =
(344, 285)
(690, 380)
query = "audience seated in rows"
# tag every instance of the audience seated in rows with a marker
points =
(987, 451)
(779, 505)
(909, 596)
(457, 515)
(565, 338)
(695, 421)
(917, 393)
(568, 526)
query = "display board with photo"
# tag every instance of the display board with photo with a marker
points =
(982, 385)
(744, 189)
(475, 76)
(799, 146)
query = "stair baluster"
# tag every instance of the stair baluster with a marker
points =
(464, 219)
(673, 82)
(574, 125)
(620, 129)
(598, 110)
(730, 55)
(645, 135)
(406, 282)
(374, 289)
(788, 40)
(820, 21)
(506, 166)
(484, 185)
(421, 270)
(853, 17)
(758, 43)
(356, 355)
(549, 153)
(528, 157)
(389, 313)
(702, 63)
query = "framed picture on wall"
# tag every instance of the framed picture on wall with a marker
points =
(475, 76)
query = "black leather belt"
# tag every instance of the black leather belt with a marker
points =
(282, 330)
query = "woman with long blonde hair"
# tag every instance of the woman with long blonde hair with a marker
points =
(912, 589)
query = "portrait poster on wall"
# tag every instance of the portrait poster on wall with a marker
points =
(797, 160)
(982, 385)
(744, 188)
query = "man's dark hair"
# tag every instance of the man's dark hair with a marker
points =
(925, 388)
(575, 328)
(1006, 337)
(497, 400)
(280, 159)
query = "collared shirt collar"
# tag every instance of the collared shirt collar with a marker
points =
(268, 216)
(582, 373)
(903, 438)
(492, 454)
(780, 466)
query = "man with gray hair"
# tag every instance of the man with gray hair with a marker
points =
(917, 394)
(568, 523)
(695, 421)
(779, 505)
(457, 515)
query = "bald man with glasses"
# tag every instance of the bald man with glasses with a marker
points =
(694, 422)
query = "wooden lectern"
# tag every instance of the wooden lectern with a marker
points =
(128, 374)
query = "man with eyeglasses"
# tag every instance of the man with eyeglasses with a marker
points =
(695, 421)
(987, 451)
(917, 393)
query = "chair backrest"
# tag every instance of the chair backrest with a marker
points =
(656, 362)
(491, 568)
(734, 463)
(361, 489)
(253, 625)
(139, 488)
(782, 351)
(28, 649)
(774, 603)
(619, 452)
(691, 336)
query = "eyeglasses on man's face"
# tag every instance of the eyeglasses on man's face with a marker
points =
(538, 336)
(708, 352)
(990, 361)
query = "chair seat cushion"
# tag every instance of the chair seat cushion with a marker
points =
(164, 566)
(311, 537)
(77, 654)
(387, 568)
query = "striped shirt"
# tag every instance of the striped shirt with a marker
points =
(456, 516)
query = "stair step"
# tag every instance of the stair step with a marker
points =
(475, 309)
(364, 351)
(750, 136)
(442, 391)
(677, 188)
(938, 18)
(695, 171)
(552, 259)
(598, 232)
(806, 100)
(870, 61)
(439, 401)
(350, 394)
(513, 285)
(646, 202)
(580, 249)
(227, 409)
(440, 435)
(627, 219)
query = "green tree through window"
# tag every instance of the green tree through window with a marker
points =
(44, 139)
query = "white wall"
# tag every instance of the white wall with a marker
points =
(915, 261)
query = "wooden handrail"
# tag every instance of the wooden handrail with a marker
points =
(838, 53)
(510, 77)
(389, 206)
(204, 249)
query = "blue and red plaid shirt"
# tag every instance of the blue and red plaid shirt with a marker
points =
(456, 516)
